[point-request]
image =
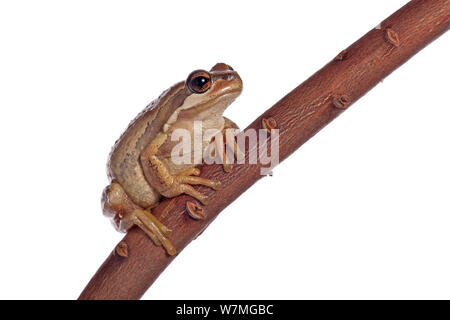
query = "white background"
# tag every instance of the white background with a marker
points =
(361, 211)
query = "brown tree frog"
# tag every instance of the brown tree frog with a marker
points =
(140, 167)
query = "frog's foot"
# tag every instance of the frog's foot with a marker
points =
(152, 227)
(182, 183)
(180, 188)
(125, 214)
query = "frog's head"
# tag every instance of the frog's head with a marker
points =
(211, 92)
(221, 80)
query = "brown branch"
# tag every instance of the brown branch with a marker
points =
(135, 263)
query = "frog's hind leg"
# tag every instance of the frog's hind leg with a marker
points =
(228, 143)
(125, 214)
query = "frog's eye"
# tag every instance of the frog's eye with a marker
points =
(199, 81)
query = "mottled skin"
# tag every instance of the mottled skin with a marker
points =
(140, 167)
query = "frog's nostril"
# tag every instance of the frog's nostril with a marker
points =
(221, 67)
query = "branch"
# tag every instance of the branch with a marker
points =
(136, 262)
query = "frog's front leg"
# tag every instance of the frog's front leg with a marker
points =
(158, 175)
(126, 214)
(227, 167)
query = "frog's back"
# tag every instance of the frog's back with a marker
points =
(124, 160)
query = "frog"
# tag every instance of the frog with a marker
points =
(140, 169)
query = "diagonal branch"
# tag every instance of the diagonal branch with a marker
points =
(135, 263)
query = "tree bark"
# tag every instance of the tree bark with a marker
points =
(136, 262)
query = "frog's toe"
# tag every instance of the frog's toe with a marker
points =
(216, 185)
(189, 190)
(198, 181)
(154, 228)
(227, 167)
(190, 172)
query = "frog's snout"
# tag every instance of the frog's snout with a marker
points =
(232, 83)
